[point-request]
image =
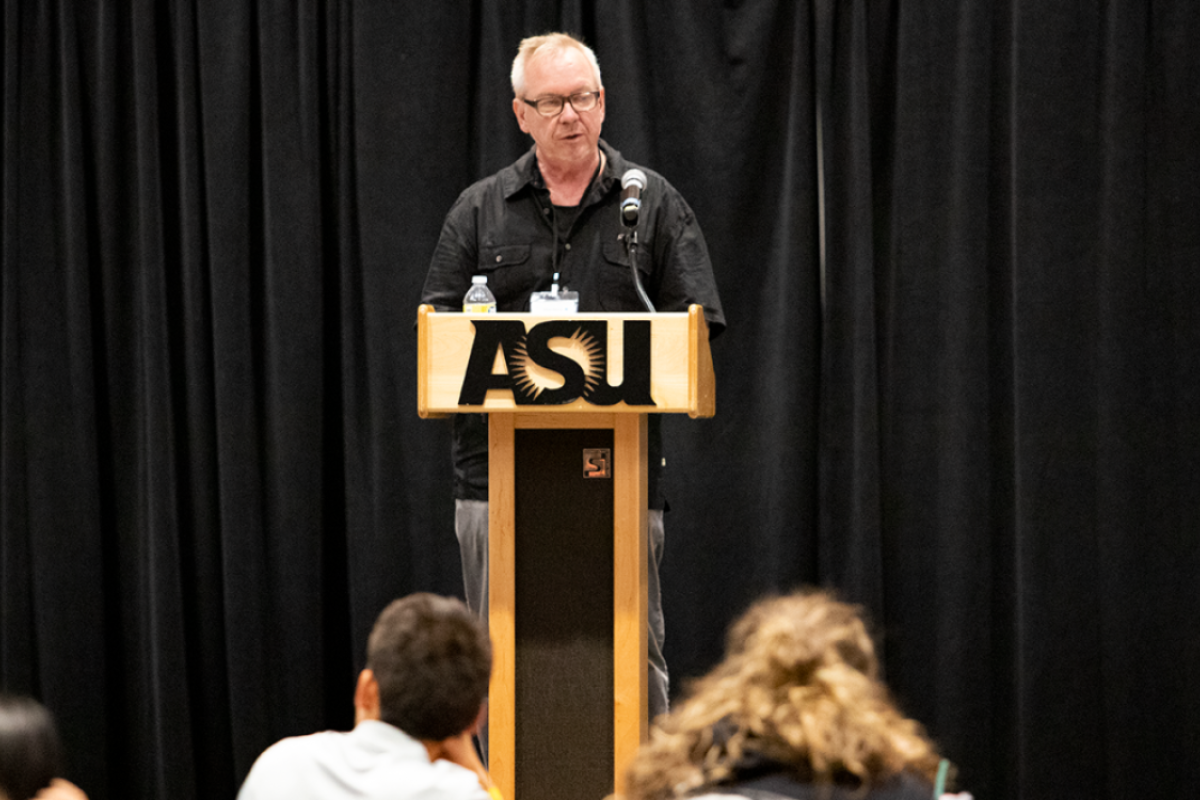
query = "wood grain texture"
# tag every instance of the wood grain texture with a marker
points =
(630, 522)
(702, 378)
(502, 702)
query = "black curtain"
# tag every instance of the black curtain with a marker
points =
(957, 245)
(1010, 377)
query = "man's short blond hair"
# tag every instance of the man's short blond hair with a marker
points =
(550, 43)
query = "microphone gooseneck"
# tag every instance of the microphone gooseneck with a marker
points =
(632, 184)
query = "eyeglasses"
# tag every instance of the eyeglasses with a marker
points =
(553, 105)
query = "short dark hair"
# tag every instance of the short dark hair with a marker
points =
(433, 660)
(29, 749)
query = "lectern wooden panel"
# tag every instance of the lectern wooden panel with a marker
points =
(681, 373)
(567, 399)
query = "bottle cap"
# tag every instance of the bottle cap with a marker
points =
(479, 279)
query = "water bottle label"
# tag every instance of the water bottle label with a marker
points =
(479, 308)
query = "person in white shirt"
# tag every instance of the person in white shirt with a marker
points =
(417, 705)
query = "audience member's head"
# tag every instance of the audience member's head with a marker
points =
(30, 754)
(798, 688)
(431, 659)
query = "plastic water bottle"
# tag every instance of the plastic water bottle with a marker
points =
(479, 298)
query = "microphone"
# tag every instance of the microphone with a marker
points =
(632, 184)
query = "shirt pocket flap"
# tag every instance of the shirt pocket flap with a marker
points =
(617, 254)
(504, 255)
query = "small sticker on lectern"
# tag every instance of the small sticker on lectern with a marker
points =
(597, 462)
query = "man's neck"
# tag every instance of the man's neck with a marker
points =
(567, 181)
(459, 750)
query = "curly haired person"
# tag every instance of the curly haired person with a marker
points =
(795, 710)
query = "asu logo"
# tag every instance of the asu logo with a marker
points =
(580, 360)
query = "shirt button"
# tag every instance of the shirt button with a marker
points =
(499, 259)
(568, 245)
(545, 211)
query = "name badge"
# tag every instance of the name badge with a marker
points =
(555, 301)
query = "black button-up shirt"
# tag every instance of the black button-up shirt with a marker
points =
(504, 227)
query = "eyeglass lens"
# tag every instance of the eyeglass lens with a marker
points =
(553, 106)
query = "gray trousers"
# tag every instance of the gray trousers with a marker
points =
(471, 527)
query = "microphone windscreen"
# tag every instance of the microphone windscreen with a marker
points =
(635, 177)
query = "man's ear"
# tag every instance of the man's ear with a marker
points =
(480, 719)
(519, 109)
(366, 697)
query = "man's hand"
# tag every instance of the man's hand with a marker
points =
(461, 750)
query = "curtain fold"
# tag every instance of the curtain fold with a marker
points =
(997, 343)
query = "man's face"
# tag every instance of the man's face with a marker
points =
(572, 135)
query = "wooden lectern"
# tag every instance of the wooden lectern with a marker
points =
(567, 398)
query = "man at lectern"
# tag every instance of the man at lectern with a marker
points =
(563, 215)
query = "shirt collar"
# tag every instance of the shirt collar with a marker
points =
(383, 736)
(524, 173)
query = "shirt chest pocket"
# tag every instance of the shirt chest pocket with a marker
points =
(616, 254)
(503, 256)
(508, 268)
(616, 289)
